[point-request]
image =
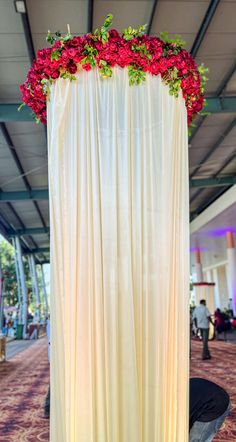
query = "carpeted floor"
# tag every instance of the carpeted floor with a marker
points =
(24, 382)
(222, 370)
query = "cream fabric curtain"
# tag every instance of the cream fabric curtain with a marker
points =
(118, 172)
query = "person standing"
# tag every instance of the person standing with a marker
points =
(202, 319)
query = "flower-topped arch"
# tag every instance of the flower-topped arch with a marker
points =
(104, 49)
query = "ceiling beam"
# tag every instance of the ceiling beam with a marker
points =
(207, 203)
(24, 195)
(9, 112)
(213, 182)
(204, 26)
(42, 194)
(227, 161)
(27, 30)
(220, 105)
(19, 166)
(153, 12)
(27, 231)
(226, 79)
(39, 250)
(214, 147)
(90, 15)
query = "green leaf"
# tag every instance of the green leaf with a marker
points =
(50, 38)
(21, 107)
(136, 75)
(67, 38)
(175, 40)
(106, 72)
(68, 76)
(55, 55)
(108, 21)
(103, 62)
(129, 33)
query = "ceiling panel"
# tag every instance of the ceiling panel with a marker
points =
(8, 16)
(123, 12)
(185, 20)
(55, 15)
(28, 213)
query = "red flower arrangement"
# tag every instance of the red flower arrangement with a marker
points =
(106, 49)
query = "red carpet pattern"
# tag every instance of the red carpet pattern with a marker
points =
(222, 370)
(24, 382)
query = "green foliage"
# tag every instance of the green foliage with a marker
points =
(176, 40)
(68, 76)
(105, 71)
(34, 116)
(103, 34)
(55, 55)
(90, 54)
(191, 129)
(136, 75)
(173, 81)
(130, 33)
(9, 274)
(67, 37)
(203, 70)
(50, 38)
(142, 49)
(21, 107)
(46, 85)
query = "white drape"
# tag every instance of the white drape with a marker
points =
(118, 175)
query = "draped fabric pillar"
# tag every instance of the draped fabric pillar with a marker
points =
(118, 172)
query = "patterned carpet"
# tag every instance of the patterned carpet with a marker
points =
(24, 383)
(222, 370)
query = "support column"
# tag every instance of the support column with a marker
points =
(35, 287)
(44, 291)
(231, 254)
(23, 287)
(198, 266)
(19, 290)
(217, 292)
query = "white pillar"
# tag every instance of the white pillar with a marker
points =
(35, 287)
(23, 286)
(217, 292)
(19, 290)
(208, 276)
(231, 254)
(198, 266)
(44, 291)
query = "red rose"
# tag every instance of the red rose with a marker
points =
(72, 68)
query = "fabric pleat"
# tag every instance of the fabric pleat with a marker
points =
(118, 173)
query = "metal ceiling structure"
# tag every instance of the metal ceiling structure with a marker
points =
(24, 207)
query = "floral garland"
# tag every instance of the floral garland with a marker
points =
(105, 49)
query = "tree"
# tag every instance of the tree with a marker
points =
(9, 274)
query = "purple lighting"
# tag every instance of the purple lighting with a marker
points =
(201, 249)
(221, 231)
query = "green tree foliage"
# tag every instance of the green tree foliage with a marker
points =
(9, 274)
